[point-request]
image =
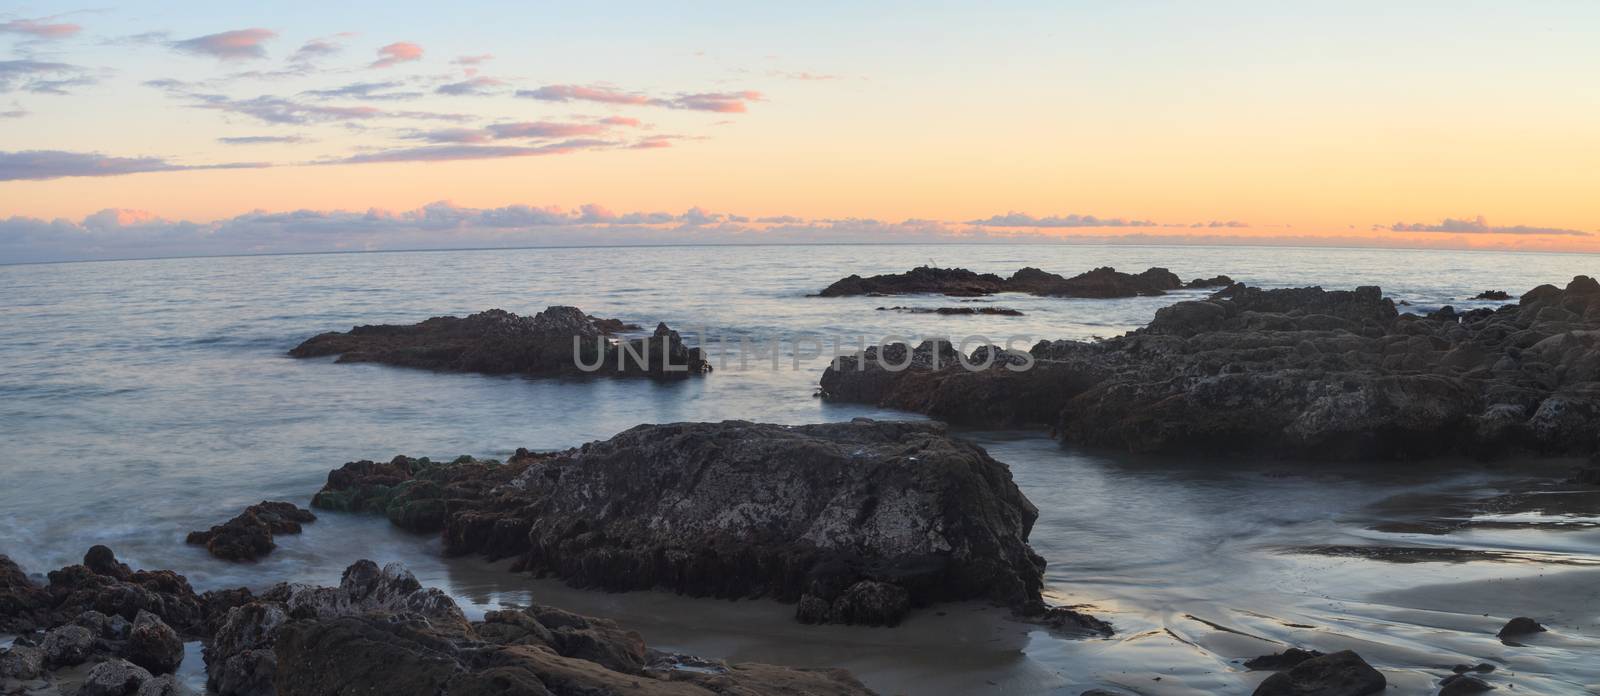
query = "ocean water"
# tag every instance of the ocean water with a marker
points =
(143, 399)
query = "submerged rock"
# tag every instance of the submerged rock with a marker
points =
(1342, 673)
(1105, 282)
(857, 521)
(1460, 684)
(955, 311)
(1492, 295)
(1520, 626)
(1292, 372)
(1281, 661)
(248, 536)
(557, 341)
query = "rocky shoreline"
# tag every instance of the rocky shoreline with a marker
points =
(1298, 372)
(102, 629)
(855, 522)
(559, 341)
(1101, 283)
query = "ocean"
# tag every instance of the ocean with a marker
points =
(140, 400)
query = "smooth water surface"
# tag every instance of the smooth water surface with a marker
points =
(142, 399)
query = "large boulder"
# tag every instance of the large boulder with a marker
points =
(1342, 673)
(24, 605)
(557, 341)
(870, 517)
(103, 584)
(1302, 372)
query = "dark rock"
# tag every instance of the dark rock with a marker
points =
(957, 282)
(1493, 295)
(381, 632)
(738, 509)
(1300, 372)
(24, 606)
(866, 603)
(1458, 684)
(1103, 282)
(22, 662)
(1281, 661)
(1217, 281)
(115, 678)
(1072, 621)
(1481, 668)
(103, 584)
(68, 645)
(557, 341)
(153, 645)
(1520, 626)
(1337, 674)
(248, 536)
(955, 311)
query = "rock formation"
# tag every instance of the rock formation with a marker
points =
(379, 631)
(856, 522)
(1302, 372)
(955, 311)
(1104, 282)
(557, 341)
(248, 536)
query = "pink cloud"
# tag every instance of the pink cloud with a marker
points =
(40, 28)
(239, 44)
(651, 144)
(396, 53)
(719, 102)
(474, 60)
(621, 121)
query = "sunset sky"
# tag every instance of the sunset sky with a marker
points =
(181, 128)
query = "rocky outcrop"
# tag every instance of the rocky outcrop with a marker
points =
(119, 630)
(857, 522)
(1300, 372)
(248, 536)
(24, 605)
(380, 631)
(1496, 295)
(1104, 282)
(1342, 673)
(1281, 661)
(955, 311)
(557, 341)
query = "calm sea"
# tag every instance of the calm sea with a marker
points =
(142, 399)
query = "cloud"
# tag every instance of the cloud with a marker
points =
(121, 233)
(41, 28)
(41, 77)
(544, 129)
(621, 121)
(397, 53)
(369, 91)
(477, 86)
(719, 102)
(314, 50)
(240, 44)
(1479, 225)
(457, 152)
(1015, 219)
(566, 93)
(16, 112)
(505, 131)
(263, 140)
(33, 165)
(280, 110)
(474, 60)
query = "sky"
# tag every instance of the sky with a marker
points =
(185, 128)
